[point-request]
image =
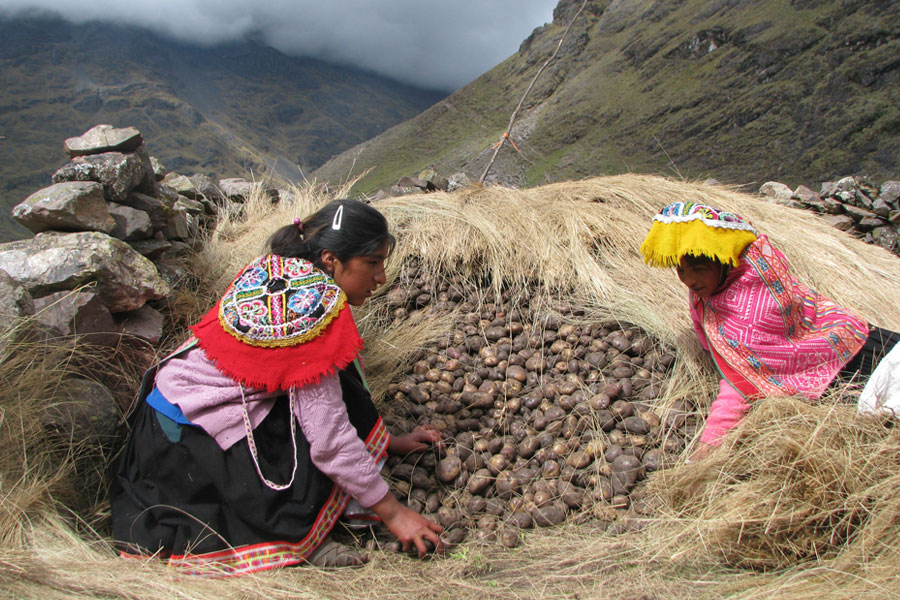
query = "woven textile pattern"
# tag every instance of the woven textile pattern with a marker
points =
(780, 335)
(678, 212)
(278, 301)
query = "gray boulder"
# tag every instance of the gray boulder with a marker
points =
(181, 184)
(153, 206)
(890, 193)
(153, 247)
(77, 312)
(15, 301)
(131, 223)
(776, 192)
(53, 262)
(458, 181)
(159, 169)
(67, 206)
(145, 323)
(119, 173)
(104, 138)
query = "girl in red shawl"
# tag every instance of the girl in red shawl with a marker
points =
(251, 441)
(768, 334)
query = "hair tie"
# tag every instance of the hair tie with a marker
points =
(299, 223)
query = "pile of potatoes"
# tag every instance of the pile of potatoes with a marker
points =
(545, 414)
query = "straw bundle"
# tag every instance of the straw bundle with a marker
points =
(795, 483)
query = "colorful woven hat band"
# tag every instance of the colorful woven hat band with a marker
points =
(686, 228)
(282, 323)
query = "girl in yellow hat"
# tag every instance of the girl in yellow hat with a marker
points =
(768, 334)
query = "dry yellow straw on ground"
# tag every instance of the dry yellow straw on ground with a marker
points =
(801, 480)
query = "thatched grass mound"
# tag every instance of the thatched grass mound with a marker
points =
(801, 501)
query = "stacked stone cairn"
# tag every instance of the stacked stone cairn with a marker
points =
(851, 204)
(108, 233)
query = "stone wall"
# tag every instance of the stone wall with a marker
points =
(108, 233)
(852, 204)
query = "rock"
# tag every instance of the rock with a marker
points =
(159, 170)
(84, 412)
(207, 190)
(119, 173)
(288, 197)
(190, 206)
(151, 248)
(867, 224)
(458, 181)
(776, 192)
(841, 222)
(833, 206)
(889, 192)
(131, 223)
(15, 301)
(181, 184)
(236, 189)
(412, 182)
(104, 138)
(881, 208)
(145, 323)
(77, 312)
(886, 238)
(240, 190)
(68, 206)
(858, 213)
(181, 226)
(806, 195)
(154, 207)
(52, 262)
(829, 189)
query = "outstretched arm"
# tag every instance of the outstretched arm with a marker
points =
(422, 438)
(411, 528)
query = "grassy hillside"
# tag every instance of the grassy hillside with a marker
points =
(745, 92)
(226, 111)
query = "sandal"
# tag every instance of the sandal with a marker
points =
(331, 554)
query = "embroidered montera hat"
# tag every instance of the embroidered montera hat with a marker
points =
(281, 323)
(683, 228)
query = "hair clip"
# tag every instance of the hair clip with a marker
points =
(299, 223)
(338, 217)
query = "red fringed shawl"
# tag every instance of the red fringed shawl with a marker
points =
(282, 323)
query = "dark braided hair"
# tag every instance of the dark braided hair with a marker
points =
(362, 231)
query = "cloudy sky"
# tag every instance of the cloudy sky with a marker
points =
(442, 44)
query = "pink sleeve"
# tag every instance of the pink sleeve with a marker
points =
(726, 412)
(698, 326)
(334, 446)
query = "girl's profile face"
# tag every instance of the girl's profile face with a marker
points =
(358, 276)
(702, 277)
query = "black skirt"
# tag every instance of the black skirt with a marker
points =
(177, 493)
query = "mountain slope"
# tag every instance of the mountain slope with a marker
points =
(225, 111)
(801, 91)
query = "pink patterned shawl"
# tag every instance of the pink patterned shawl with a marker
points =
(774, 332)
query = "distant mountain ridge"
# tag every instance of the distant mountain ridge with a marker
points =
(235, 110)
(801, 91)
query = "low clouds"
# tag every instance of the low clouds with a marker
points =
(431, 43)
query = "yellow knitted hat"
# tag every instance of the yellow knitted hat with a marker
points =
(697, 229)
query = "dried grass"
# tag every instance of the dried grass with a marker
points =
(803, 505)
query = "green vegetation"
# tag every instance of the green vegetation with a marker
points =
(239, 110)
(743, 92)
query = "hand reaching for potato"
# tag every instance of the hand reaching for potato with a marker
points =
(421, 438)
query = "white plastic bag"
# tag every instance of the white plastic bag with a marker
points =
(881, 393)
